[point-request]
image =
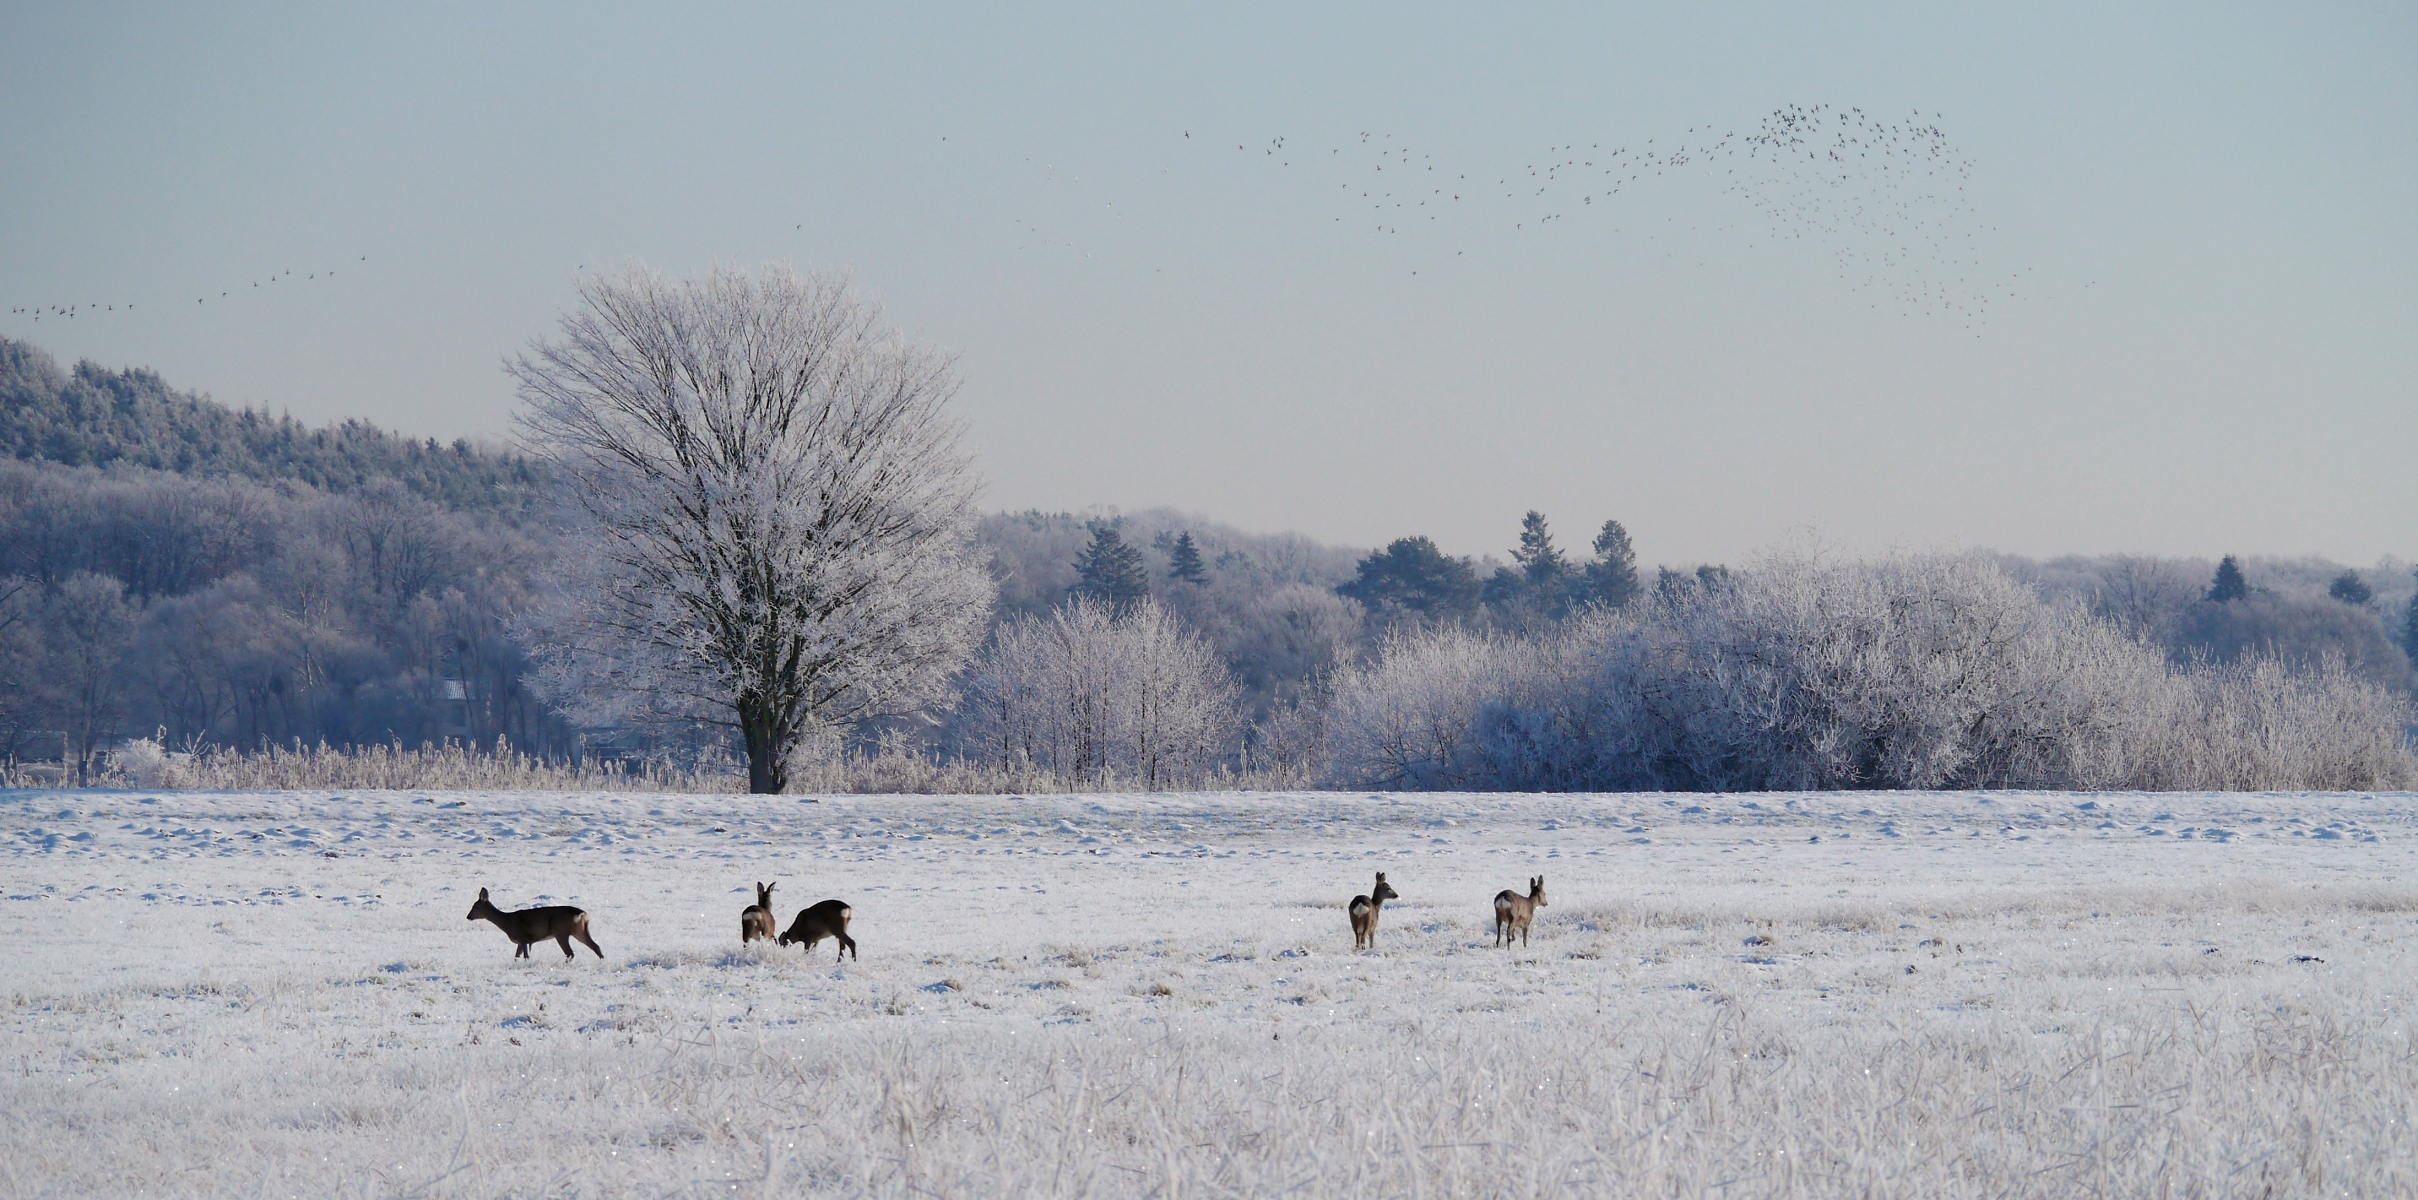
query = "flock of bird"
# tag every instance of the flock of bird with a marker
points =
(1886, 196)
(68, 312)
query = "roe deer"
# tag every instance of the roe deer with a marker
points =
(1364, 913)
(756, 920)
(558, 921)
(828, 919)
(1514, 911)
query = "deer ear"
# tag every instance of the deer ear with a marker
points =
(482, 893)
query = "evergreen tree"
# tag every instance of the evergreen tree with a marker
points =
(1184, 561)
(1412, 573)
(2409, 624)
(1109, 571)
(1612, 577)
(2229, 584)
(1503, 589)
(1539, 561)
(2349, 588)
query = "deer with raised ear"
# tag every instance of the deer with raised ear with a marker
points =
(558, 921)
(1514, 911)
(756, 920)
(1364, 912)
(826, 920)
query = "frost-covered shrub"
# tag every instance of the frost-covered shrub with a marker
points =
(2259, 725)
(1092, 697)
(142, 763)
(1410, 718)
(1909, 672)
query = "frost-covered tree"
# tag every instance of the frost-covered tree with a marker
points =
(87, 623)
(2142, 596)
(1097, 696)
(20, 661)
(2228, 585)
(773, 515)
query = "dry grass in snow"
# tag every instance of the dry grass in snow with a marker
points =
(1944, 995)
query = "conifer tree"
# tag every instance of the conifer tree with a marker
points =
(2409, 624)
(2229, 584)
(2349, 588)
(1539, 561)
(1184, 561)
(1612, 577)
(1413, 573)
(1109, 571)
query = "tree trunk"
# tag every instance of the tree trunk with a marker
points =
(767, 750)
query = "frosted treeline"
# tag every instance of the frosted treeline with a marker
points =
(366, 603)
(229, 612)
(1906, 672)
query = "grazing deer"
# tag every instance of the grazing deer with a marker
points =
(828, 919)
(558, 921)
(1514, 911)
(1364, 913)
(756, 920)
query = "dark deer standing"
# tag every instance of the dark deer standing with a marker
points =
(756, 920)
(558, 921)
(1514, 911)
(828, 919)
(1364, 913)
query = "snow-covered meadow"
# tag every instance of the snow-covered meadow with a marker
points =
(1913, 994)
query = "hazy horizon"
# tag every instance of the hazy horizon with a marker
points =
(2148, 287)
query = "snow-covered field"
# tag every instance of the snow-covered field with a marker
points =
(1867, 994)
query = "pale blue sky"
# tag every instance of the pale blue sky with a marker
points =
(2207, 212)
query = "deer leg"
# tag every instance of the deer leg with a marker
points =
(520, 950)
(591, 943)
(563, 940)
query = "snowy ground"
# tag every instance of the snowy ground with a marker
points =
(1891, 994)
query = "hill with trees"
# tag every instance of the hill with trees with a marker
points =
(92, 416)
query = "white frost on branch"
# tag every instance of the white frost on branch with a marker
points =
(773, 520)
(1098, 697)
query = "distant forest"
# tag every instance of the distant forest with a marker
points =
(173, 568)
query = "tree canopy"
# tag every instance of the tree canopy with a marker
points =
(779, 520)
(1412, 573)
